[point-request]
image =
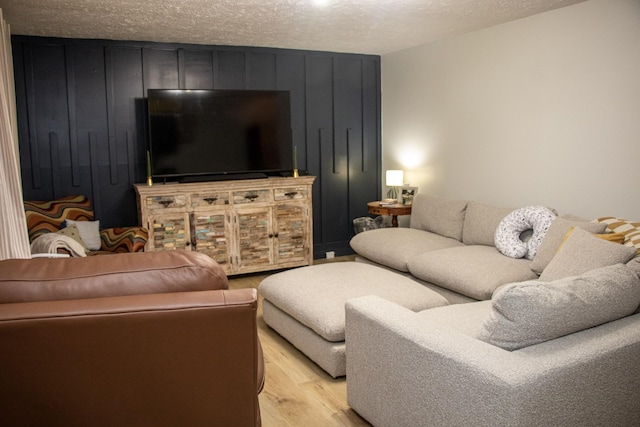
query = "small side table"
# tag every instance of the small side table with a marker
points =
(393, 210)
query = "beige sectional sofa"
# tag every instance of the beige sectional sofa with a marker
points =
(550, 341)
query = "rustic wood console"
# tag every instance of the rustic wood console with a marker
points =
(245, 225)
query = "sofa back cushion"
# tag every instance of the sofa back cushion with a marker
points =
(47, 217)
(47, 279)
(583, 251)
(480, 223)
(532, 312)
(438, 215)
(554, 237)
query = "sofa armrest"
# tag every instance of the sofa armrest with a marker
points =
(403, 369)
(123, 239)
(47, 279)
(187, 358)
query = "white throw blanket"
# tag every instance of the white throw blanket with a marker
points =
(49, 243)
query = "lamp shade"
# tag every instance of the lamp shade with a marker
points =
(395, 178)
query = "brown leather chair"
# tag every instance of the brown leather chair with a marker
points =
(140, 339)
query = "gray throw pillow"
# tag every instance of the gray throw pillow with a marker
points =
(582, 252)
(529, 313)
(89, 231)
(553, 239)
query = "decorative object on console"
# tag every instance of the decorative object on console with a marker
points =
(394, 180)
(507, 237)
(149, 178)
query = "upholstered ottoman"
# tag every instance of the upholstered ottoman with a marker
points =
(306, 305)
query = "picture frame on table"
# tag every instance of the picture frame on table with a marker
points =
(407, 195)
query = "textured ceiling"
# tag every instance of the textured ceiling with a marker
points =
(356, 26)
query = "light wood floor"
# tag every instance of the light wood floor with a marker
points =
(297, 392)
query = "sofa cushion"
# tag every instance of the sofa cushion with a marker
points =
(475, 271)
(394, 247)
(582, 252)
(439, 215)
(553, 239)
(531, 312)
(480, 223)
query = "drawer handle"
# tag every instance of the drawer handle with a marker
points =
(210, 200)
(291, 194)
(165, 203)
(251, 197)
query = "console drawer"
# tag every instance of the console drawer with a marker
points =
(203, 200)
(166, 202)
(290, 193)
(251, 196)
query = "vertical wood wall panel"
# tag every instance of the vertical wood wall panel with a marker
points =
(358, 106)
(160, 68)
(231, 70)
(291, 77)
(30, 163)
(127, 114)
(90, 95)
(371, 139)
(73, 135)
(261, 71)
(51, 107)
(347, 98)
(198, 69)
(82, 116)
(55, 162)
(319, 107)
(95, 174)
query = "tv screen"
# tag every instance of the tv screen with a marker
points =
(198, 133)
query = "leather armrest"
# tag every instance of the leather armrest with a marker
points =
(47, 279)
(186, 358)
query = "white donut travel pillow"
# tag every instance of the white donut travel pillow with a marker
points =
(507, 237)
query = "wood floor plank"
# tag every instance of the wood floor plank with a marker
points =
(297, 392)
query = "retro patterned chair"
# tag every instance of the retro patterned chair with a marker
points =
(49, 216)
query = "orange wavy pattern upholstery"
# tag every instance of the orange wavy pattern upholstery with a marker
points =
(47, 217)
(123, 239)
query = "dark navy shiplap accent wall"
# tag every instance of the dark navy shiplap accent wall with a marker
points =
(83, 128)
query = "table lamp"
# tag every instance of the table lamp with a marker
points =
(394, 180)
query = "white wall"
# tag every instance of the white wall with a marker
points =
(543, 110)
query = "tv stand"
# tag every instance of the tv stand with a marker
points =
(248, 225)
(223, 177)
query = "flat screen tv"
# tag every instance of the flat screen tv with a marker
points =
(212, 134)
